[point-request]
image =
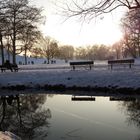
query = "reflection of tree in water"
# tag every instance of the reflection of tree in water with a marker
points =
(24, 115)
(132, 110)
(51, 95)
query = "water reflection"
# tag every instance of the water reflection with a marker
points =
(82, 98)
(99, 119)
(132, 111)
(24, 115)
(122, 99)
(94, 118)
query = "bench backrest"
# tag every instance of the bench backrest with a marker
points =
(119, 61)
(82, 63)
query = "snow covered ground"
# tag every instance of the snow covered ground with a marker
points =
(56, 74)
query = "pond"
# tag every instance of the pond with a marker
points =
(67, 117)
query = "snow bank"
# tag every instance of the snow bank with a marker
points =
(8, 136)
(98, 76)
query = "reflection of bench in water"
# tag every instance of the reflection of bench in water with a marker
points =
(122, 99)
(83, 98)
(9, 99)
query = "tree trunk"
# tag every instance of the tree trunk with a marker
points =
(8, 52)
(3, 109)
(14, 52)
(25, 56)
(2, 49)
(18, 109)
(14, 39)
(117, 54)
(48, 58)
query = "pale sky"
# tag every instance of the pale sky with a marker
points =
(104, 30)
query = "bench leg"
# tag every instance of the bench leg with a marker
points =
(111, 66)
(73, 67)
(90, 67)
(16, 70)
(3, 70)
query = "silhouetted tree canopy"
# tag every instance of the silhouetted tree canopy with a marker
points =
(92, 8)
(131, 30)
(16, 16)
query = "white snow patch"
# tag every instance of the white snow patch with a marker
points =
(8, 136)
(62, 74)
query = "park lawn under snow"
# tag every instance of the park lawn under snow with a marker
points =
(100, 75)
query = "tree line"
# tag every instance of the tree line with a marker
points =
(53, 50)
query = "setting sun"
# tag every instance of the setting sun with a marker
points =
(103, 30)
(74, 33)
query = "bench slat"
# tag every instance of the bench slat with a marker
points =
(81, 63)
(121, 61)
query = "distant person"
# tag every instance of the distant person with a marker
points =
(45, 61)
(20, 63)
(32, 62)
(66, 61)
(7, 64)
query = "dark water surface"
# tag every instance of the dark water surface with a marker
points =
(64, 117)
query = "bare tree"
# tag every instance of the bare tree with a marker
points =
(118, 48)
(4, 39)
(131, 29)
(66, 52)
(81, 53)
(95, 52)
(1, 47)
(53, 49)
(2, 28)
(19, 15)
(49, 47)
(29, 37)
(36, 52)
(90, 8)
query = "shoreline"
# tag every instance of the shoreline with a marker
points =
(118, 81)
(59, 88)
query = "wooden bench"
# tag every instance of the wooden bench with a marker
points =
(82, 63)
(129, 62)
(12, 67)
